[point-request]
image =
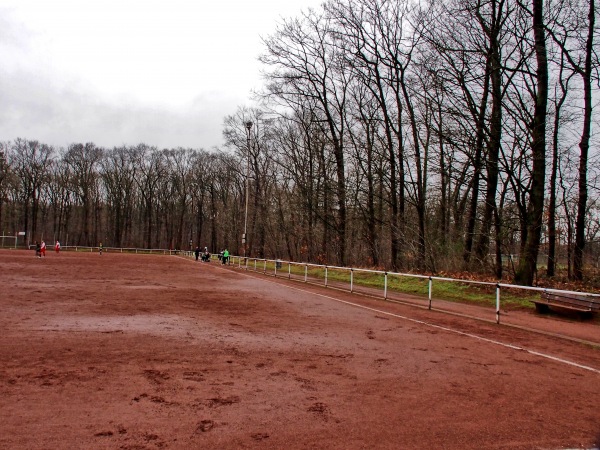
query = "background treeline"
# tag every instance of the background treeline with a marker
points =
(439, 136)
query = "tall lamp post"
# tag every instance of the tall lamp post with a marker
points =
(248, 126)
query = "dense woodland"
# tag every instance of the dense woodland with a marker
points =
(441, 136)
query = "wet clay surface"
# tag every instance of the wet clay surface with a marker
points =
(144, 352)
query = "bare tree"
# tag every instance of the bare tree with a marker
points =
(151, 169)
(586, 72)
(559, 101)
(380, 53)
(118, 174)
(83, 163)
(30, 161)
(528, 261)
(4, 174)
(60, 195)
(305, 63)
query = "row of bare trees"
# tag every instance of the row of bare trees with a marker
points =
(135, 196)
(439, 136)
(455, 102)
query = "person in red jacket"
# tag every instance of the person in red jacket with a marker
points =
(43, 249)
(57, 247)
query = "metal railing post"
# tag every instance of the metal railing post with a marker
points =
(325, 276)
(351, 279)
(430, 290)
(385, 286)
(498, 303)
(305, 273)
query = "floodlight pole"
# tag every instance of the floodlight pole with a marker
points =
(248, 126)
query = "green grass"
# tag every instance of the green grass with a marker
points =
(462, 292)
(442, 290)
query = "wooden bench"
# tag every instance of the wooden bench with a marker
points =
(581, 303)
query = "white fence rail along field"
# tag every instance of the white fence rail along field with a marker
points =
(353, 280)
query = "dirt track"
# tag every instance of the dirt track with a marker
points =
(125, 351)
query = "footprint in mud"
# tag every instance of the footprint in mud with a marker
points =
(370, 334)
(267, 363)
(204, 426)
(320, 409)
(193, 376)
(305, 384)
(48, 378)
(104, 434)
(150, 437)
(260, 436)
(154, 399)
(220, 401)
(156, 376)
(140, 397)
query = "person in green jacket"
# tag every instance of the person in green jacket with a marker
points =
(226, 257)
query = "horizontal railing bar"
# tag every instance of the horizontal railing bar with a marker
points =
(430, 277)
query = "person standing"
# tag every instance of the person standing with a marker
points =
(100, 248)
(43, 249)
(197, 252)
(225, 256)
(57, 247)
(37, 249)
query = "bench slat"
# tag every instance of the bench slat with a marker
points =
(578, 303)
(582, 300)
(564, 305)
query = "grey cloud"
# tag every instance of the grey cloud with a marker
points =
(36, 108)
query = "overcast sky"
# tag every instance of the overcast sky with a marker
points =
(114, 72)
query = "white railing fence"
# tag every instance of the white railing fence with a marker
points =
(321, 274)
(92, 249)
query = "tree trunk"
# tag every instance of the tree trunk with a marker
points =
(584, 146)
(528, 261)
(480, 131)
(493, 151)
(551, 267)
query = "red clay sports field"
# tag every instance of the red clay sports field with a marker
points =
(151, 351)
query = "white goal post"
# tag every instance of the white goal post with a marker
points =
(5, 241)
